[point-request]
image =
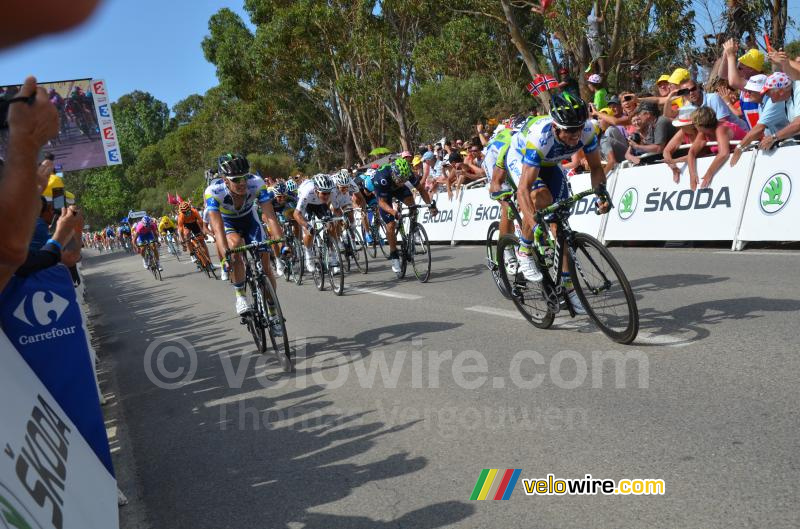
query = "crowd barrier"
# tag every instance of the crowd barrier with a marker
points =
(49, 475)
(752, 201)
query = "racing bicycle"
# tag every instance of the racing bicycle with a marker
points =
(597, 277)
(412, 243)
(353, 246)
(265, 316)
(169, 238)
(200, 251)
(150, 258)
(327, 252)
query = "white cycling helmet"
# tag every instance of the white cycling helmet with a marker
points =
(342, 178)
(323, 182)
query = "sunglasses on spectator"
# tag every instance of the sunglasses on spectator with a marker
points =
(474, 150)
(628, 97)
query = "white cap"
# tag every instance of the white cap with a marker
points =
(684, 116)
(756, 83)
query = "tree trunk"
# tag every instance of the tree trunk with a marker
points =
(779, 8)
(522, 47)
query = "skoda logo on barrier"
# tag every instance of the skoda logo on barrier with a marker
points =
(466, 214)
(627, 204)
(775, 193)
(13, 514)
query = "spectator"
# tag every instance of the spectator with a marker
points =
(30, 127)
(685, 135)
(771, 112)
(710, 128)
(781, 88)
(738, 72)
(674, 101)
(656, 131)
(568, 84)
(471, 169)
(628, 105)
(697, 97)
(613, 143)
(662, 86)
(600, 93)
(64, 246)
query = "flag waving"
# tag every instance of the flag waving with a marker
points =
(170, 199)
(540, 83)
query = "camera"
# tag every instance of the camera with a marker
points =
(683, 92)
(636, 137)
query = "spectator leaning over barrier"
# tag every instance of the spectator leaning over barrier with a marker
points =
(613, 143)
(771, 112)
(595, 83)
(30, 126)
(697, 97)
(710, 128)
(738, 72)
(780, 86)
(685, 135)
(656, 131)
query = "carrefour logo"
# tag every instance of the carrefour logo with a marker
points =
(627, 204)
(42, 308)
(466, 214)
(775, 193)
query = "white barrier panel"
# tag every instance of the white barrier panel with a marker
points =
(440, 227)
(650, 206)
(584, 213)
(772, 211)
(49, 476)
(475, 215)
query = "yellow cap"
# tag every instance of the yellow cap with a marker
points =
(664, 77)
(55, 182)
(417, 160)
(753, 59)
(606, 110)
(70, 197)
(679, 75)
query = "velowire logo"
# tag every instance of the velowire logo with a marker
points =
(628, 203)
(775, 193)
(466, 214)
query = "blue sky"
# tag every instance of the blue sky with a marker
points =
(154, 45)
(134, 44)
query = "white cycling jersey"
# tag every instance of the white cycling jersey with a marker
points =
(306, 196)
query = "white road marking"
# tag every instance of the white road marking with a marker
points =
(385, 293)
(496, 312)
(753, 252)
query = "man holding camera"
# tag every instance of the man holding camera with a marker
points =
(656, 131)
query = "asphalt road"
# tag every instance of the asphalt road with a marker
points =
(391, 415)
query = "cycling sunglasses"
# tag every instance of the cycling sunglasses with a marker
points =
(572, 130)
(237, 179)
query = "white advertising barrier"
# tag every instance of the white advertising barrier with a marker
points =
(650, 206)
(772, 211)
(475, 214)
(49, 476)
(440, 227)
(584, 213)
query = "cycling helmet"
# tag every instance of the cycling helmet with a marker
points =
(568, 111)
(342, 178)
(323, 182)
(401, 171)
(518, 123)
(146, 220)
(279, 189)
(233, 165)
(185, 208)
(291, 186)
(124, 220)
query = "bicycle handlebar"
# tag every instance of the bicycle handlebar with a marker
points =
(567, 203)
(253, 246)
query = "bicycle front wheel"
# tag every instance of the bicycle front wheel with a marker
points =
(420, 253)
(529, 298)
(319, 264)
(258, 312)
(279, 339)
(335, 273)
(603, 289)
(492, 236)
(359, 252)
(383, 241)
(298, 262)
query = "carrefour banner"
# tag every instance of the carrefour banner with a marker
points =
(41, 316)
(49, 476)
(87, 136)
(651, 206)
(772, 211)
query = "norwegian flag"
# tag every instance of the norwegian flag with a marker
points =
(171, 200)
(541, 83)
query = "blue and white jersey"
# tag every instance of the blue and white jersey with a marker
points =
(538, 146)
(218, 198)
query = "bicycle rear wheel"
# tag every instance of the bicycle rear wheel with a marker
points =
(420, 253)
(336, 277)
(319, 264)
(359, 249)
(347, 251)
(529, 298)
(298, 262)
(280, 344)
(603, 289)
(492, 236)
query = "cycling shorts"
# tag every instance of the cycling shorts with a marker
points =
(553, 179)
(194, 227)
(320, 211)
(400, 193)
(145, 238)
(247, 226)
